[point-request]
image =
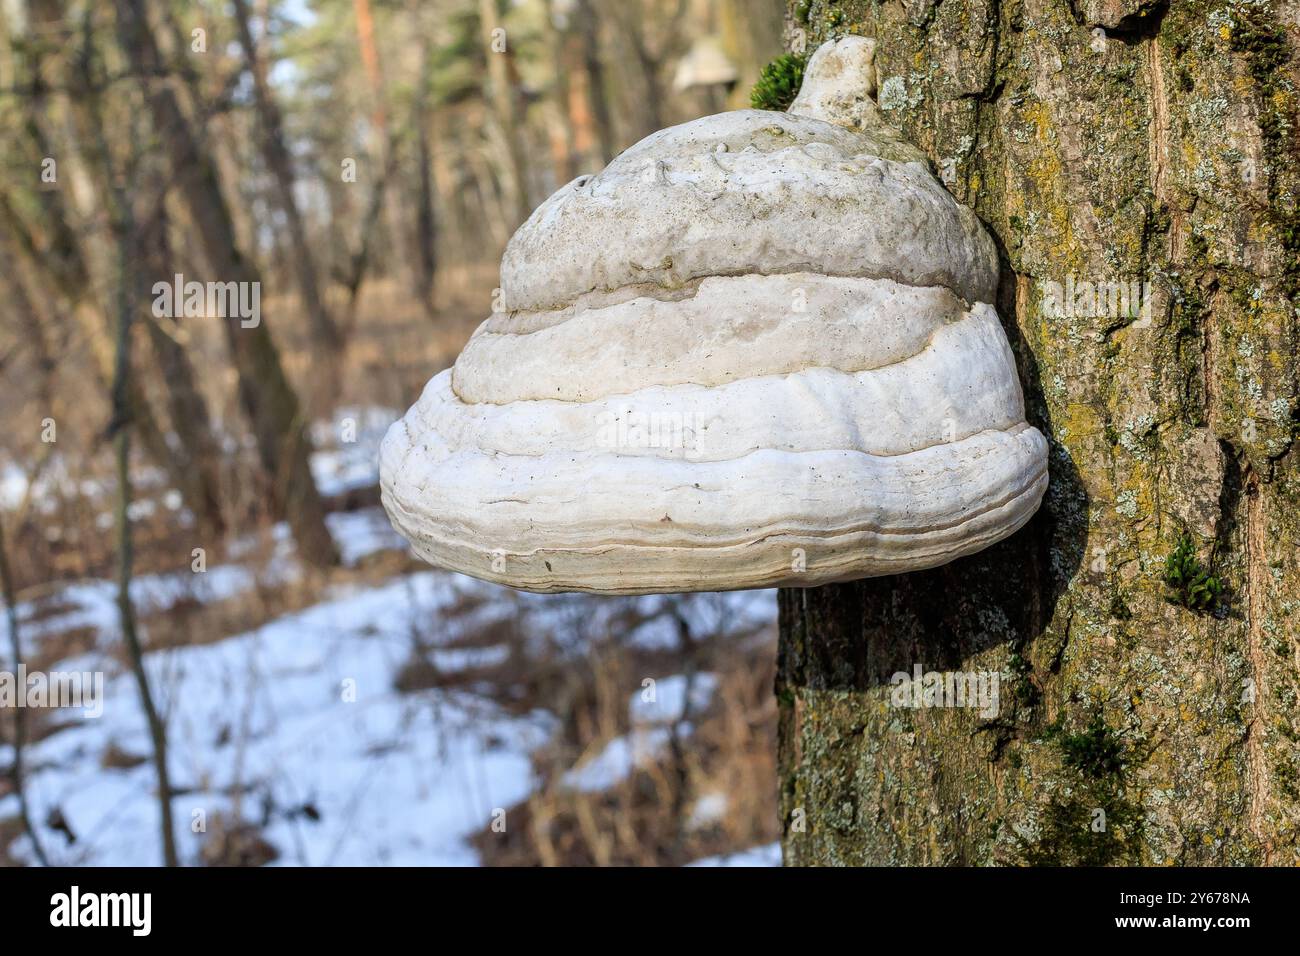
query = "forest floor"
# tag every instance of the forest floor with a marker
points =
(383, 712)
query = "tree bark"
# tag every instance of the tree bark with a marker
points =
(1104, 141)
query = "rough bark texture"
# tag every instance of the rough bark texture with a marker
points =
(1165, 150)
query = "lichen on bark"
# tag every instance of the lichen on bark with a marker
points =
(1108, 140)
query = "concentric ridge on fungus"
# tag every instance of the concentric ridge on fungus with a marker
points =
(756, 350)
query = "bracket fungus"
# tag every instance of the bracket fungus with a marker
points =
(757, 350)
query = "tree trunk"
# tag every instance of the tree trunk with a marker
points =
(1099, 142)
(55, 250)
(506, 112)
(426, 219)
(359, 261)
(123, 227)
(326, 340)
(636, 22)
(564, 136)
(750, 38)
(597, 112)
(265, 394)
(196, 457)
(18, 740)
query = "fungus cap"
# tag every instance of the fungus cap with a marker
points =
(756, 350)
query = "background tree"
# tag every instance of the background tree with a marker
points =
(363, 162)
(276, 154)
(267, 396)
(1102, 141)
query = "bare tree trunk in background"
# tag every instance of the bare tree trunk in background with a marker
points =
(326, 340)
(197, 456)
(487, 185)
(633, 18)
(126, 610)
(370, 61)
(64, 271)
(751, 36)
(426, 222)
(219, 132)
(384, 150)
(558, 36)
(646, 69)
(1108, 142)
(59, 255)
(192, 461)
(265, 393)
(504, 98)
(19, 713)
(34, 324)
(594, 67)
(359, 261)
(382, 146)
(450, 184)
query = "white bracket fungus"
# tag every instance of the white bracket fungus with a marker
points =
(756, 350)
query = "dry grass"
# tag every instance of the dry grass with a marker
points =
(650, 818)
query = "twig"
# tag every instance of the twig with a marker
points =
(20, 723)
(124, 229)
(686, 646)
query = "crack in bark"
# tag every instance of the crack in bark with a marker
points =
(1159, 148)
(1256, 571)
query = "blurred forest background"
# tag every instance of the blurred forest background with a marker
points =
(190, 503)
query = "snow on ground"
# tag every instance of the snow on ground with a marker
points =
(347, 448)
(769, 855)
(303, 711)
(94, 603)
(13, 486)
(708, 809)
(361, 533)
(651, 711)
